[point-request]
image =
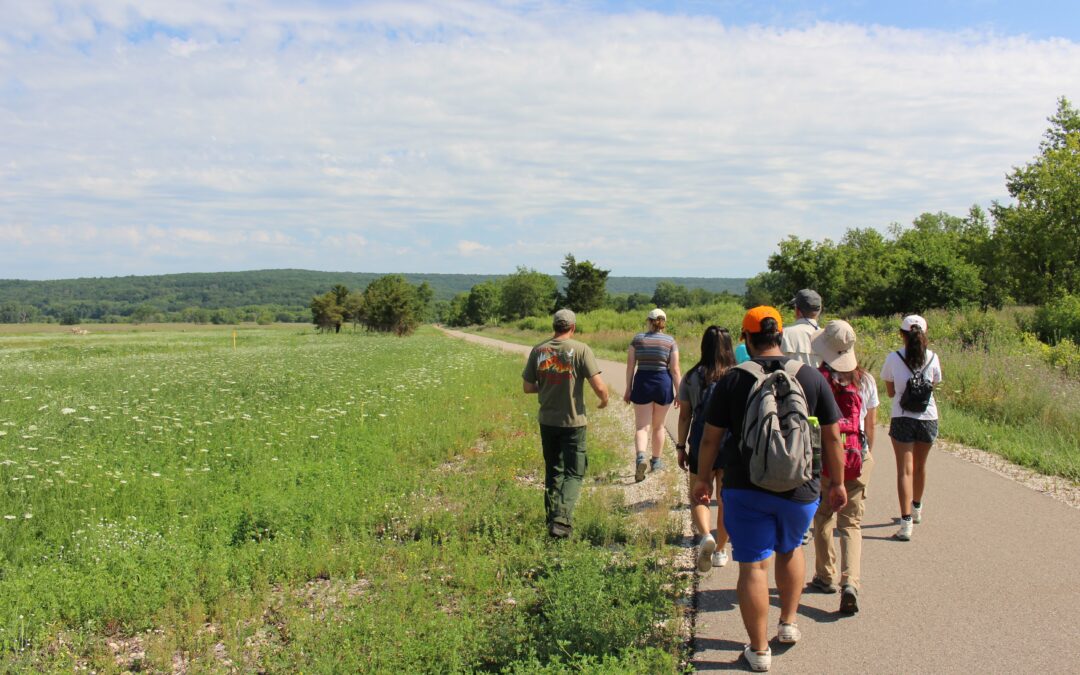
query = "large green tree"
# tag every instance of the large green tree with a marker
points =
(527, 292)
(586, 289)
(483, 302)
(1040, 234)
(392, 305)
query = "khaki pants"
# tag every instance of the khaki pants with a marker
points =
(849, 521)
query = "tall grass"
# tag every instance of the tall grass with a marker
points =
(303, 502)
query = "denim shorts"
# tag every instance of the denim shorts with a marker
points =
(911, 430)
(652, 386)
(760, 523)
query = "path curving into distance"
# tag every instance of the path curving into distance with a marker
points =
(989, 583)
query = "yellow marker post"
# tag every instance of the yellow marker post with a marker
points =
(234, 339)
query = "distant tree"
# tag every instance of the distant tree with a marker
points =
(143, 313)
(457, 314)
(392, 305)
(764, 289)
(326, 313)
(670, 294)
(352, 307)
(425, 296)
(527, 292)
(586, 289)
(482, 305)
(1040, 234)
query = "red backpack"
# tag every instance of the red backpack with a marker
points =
(851, 405)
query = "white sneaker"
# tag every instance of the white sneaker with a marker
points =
(704, 555)
(916, 513)
(758, 662)
(904, 533)
(788, 633)
(719, 559)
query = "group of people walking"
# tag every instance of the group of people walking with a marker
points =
(800, 394)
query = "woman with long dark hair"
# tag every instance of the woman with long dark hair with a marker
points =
(910, 375)
(652, 378)
(717, 356)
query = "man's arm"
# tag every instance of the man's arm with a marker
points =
(529, 387)
(832, 455)
(600, 388)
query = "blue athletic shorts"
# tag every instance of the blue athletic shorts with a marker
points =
(652, 386)
(760, 523)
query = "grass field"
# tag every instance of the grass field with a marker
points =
(306, 503)
(1004, 392)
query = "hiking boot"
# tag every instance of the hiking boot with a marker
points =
(916, 513)
(719, 559)
(704, 554)
(822, 586)
(904, 533)
(788, 633)
(656, 464)
(759, 662)
(642, 467)
(849, 599)
(559, 530)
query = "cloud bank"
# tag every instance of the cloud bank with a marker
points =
(474, 137)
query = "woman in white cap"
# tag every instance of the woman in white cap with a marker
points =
(856, 395)
(652, 378)
(910, 375)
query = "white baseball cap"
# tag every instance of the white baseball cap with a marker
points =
(912, 320)
(657, 314)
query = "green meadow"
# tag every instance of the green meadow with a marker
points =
(305, 502)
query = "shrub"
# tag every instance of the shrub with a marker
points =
(1058, 319)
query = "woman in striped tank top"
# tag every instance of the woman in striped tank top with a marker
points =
(652, 378)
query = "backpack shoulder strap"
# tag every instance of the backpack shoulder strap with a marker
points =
(792, 367)
(904, 361)
(752, 367)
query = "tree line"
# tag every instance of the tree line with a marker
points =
(1026, 253)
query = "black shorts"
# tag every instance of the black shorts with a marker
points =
(911, 430)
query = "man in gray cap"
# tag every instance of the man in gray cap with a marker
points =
(795, 342)
(557, 370)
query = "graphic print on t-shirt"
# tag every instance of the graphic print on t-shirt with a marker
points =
(554, 365)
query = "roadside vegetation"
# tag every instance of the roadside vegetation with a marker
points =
(303, 502)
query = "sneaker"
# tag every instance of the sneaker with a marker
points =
(904, 533)
(704, 554)
(719, 559)
(849, 600)
(822, 586)
(788, 633)
(695, 539)
(916, 513)
(806, 536)
(759, 661)
(656, 464)
(642, 467)
(559, 530)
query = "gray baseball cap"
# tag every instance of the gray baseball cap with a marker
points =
(564, 318)
(807, 300)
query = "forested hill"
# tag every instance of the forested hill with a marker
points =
(116, 298)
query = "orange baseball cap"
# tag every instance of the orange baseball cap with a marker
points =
(751, 323)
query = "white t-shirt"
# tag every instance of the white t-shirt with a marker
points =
(869, 395)
(897, 372)
(795, 342)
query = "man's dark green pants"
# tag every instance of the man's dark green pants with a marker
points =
(564, 468)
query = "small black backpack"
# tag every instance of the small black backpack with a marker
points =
(919, 390)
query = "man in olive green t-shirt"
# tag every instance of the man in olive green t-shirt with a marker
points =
(557, 370)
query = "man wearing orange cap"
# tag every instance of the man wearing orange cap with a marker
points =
(762, 523)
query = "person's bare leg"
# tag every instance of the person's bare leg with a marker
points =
(905, 468)
(642, 419)
(790, 572)
(721, 531)
(753, 592)
(921, 454)
(659, 414)
(695, 526)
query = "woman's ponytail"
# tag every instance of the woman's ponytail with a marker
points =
(915, 346)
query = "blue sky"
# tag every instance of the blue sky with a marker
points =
(681, 139)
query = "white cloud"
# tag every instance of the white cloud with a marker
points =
(400, 131)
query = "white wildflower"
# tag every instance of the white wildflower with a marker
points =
(66, 411)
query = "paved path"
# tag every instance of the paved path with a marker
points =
(989, 583)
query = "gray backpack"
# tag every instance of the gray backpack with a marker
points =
(776, 431)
